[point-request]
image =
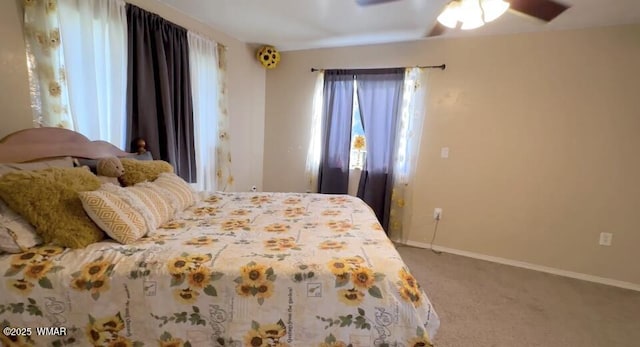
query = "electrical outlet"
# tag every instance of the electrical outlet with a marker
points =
(605, 239)
(437, 213)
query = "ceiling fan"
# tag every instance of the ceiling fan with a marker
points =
(486, 11)
(372, 2)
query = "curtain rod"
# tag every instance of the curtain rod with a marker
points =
(441, 67)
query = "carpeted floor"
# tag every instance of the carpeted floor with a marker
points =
(486, 304)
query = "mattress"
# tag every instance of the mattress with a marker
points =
(236, 269)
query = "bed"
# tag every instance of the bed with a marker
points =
(235, 269)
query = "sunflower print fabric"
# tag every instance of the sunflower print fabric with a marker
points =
(236, 269)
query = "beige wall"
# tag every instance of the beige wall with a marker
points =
(15, 109)
(246, 83)
(543, 137)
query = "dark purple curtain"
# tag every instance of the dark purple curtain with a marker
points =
(336, 131)
(159, 104)
(380, 99)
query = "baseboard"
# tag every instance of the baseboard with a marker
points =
(525, 265)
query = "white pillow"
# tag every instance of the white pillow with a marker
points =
(36, 165)
(16, 234)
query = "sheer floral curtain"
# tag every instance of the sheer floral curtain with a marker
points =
(315, 139)
(94, 37)
(204, 84)
(407, 149)
(45, 61)
(223, 149)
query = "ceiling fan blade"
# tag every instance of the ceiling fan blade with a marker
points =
(545, 10)
(437, 30)
(372, 2)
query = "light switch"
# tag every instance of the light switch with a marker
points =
(444, 152)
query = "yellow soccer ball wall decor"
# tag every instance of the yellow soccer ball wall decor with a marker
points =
(268, 56)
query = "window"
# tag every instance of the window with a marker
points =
(358, 139)
(94, 38)
(203, 65)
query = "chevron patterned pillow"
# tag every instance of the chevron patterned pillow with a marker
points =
(114, 216)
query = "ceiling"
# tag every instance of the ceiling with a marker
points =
(306, 24)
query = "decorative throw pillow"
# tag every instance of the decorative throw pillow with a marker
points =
(49, 200)
(113, 215)
(176, 190)
(138, 171)
(16, 234)
(154, 207)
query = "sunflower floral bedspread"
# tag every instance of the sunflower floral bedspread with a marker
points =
(236, 269)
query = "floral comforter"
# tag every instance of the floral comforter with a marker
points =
(237, 269)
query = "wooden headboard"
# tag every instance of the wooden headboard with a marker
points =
(41, 143)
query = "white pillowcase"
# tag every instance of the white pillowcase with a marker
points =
(16, 234)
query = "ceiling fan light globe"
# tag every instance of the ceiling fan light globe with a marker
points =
(470, 14)
(493, 9)
(469, 9)
(472, 24)
(449, 17)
